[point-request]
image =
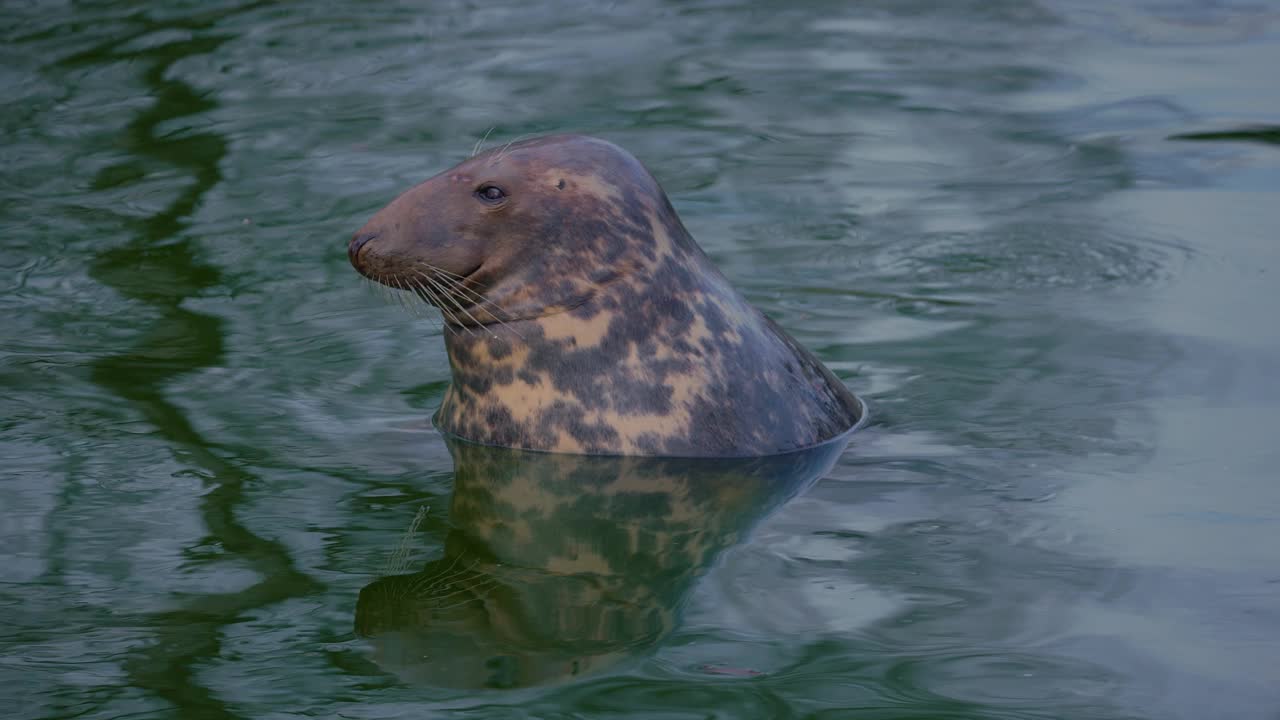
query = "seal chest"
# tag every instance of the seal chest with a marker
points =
(581, 317)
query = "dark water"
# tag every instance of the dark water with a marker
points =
(1042, 239)
(557, 566)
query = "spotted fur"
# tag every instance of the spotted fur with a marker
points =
(558, 565)
(583, 318)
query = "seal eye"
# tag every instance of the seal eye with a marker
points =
(491, 193)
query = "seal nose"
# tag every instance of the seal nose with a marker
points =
(358, 241)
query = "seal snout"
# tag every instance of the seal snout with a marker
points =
(358, 241)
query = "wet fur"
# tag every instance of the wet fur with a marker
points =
(585, 319)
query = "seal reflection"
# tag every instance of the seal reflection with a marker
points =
(559, 565)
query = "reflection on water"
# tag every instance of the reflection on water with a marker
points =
(159, 268)
(1040, 235)
(557, 566)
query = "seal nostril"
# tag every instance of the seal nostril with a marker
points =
(357, 242)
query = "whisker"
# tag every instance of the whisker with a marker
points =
(399, 558)
(458, 586)
(463, 310)
(451, 319)
(437, 294)
(399, 297)
(383, 291)
(410, 292)
(394, 283)
(459, 284)
(448, 576)
(507, 147)
(478, 586)
(453, 285)
(475, 591)
(375, 287)
(462, 588)
(476, 150)
(441, 271)
(453, 281)
(444, 573)
(430, 299)
(480, 301)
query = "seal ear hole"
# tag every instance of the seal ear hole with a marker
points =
(560, 185)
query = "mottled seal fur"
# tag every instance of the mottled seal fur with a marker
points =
(556, 566)
(582, 317)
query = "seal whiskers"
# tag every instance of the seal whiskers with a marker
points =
(433, 298)
(399, 297)
(480, 143)
(443, 292)
(629, 340)
(452, 571)
(507, 147)
(456, 284)
(399, 559)
(480, 302)
(393, 291)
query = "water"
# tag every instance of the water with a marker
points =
(557, 567)
(1038, 238)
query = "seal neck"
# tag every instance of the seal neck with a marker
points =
(581, 312)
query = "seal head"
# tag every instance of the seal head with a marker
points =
(580, 315)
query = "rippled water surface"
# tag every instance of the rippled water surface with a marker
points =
(1040, 238)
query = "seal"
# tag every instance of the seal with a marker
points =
(581, 317)
(554, 566)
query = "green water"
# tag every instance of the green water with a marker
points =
(1041, 239)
